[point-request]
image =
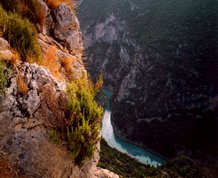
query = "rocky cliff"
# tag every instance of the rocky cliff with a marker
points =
(34, 100)
(160, 60)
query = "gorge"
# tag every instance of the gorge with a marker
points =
(159, 58)
(141, 154)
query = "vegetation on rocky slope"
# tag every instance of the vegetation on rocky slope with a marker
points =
(2, 78)
(21, 34)
(128, 167)
(85, 118)
(80, 131)
(79, 114)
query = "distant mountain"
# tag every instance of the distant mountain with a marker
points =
(160, 59)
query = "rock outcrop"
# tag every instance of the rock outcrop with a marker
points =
(35, 101)
(67, 29)
(25, 119)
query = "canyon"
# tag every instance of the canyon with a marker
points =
(159, 58)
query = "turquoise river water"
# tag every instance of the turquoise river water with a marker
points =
(142, 155)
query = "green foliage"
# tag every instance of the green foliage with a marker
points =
(9, 5)
(83, 132)
(128, 167)
(99, 83)
(53, 135)
(21, 35)
(3, 19)
(185, 167)
(31, 9)
(123, 165)
(2, 78)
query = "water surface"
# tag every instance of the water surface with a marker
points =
(139, 153)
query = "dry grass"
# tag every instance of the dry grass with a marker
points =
(22, 7)
(21, 85)
(53, 107)
(6, 169)
(99, 83)
(15, 58)
(32, 9)
(71, 4)
(66, 63)
(51, 62)
(40, 16)
(11, 58)
(53, 4)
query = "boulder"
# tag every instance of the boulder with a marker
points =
(5, 55)
(67, 28)
(4, 45)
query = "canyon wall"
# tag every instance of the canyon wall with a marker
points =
(160, 61)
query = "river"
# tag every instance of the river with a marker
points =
(142, 155)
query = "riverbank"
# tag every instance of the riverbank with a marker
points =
(117, 133)
(124, 165)
(142, 155)
(134, 150)
(128, 167)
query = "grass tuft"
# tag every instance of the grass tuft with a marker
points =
(51, 62)
(21, 85)
(2, 78)
(67, 62)
(54, 137)
(15, 58)
(21, 35)
(31, 9)
(53, 4)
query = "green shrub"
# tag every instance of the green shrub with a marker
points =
(3, 19)
(31, 9)
(21, 35)
(53, 135)
(9, 5)
(185, 167)
(83, 132)
(2, 78)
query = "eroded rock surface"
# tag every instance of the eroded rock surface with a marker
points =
(67, 28)
(30, 110)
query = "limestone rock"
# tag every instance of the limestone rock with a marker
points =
(103, 173)
(4, 45)
(6, 55)
(24, 122)
(77, 64)
(67, 28)
(26, 117)
(45, 9)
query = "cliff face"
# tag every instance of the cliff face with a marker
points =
(34, 102)
(160, 65)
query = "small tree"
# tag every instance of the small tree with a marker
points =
(83, 132)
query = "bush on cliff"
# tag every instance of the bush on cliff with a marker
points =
(31, 9)
(2, 78)
(83, 132)
(21, 35)
(53, 4)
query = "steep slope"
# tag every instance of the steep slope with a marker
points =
(160, 60)
(36, 114)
